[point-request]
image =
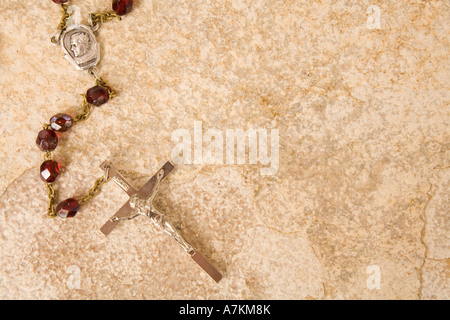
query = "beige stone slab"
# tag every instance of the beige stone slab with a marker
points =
(361, 192)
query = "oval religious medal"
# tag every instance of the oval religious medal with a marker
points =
(81, 48)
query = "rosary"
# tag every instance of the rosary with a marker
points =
(83, 52)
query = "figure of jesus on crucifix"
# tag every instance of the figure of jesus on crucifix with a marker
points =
(141, 204)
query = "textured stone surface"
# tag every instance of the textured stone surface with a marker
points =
(363, 176)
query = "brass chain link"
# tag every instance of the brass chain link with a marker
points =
(111, 92)
(95, 190)
(102, 83)
(52, 195)
(62, 24)
(47, 155)
(103, 17)
(65, 17)
(86, 111)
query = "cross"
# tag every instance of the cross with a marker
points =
(141, 203)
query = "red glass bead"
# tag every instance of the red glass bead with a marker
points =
(50, 170)
(67, 208)
(61, 122)
(97, 95)
(47, 140)
(60, 1)
(122, 7)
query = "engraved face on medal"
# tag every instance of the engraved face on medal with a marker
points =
(80, 46)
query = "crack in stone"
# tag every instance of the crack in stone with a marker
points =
(423, 216)
(310, 245)
(14, 180)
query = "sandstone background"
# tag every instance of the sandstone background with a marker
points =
(363, 177)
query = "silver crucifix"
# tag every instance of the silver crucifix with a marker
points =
(141, 204)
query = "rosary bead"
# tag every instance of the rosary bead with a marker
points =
(61, 122)
(67, 208)
(47, 140)
(50, 170)
(97, 95)
(122, 7)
